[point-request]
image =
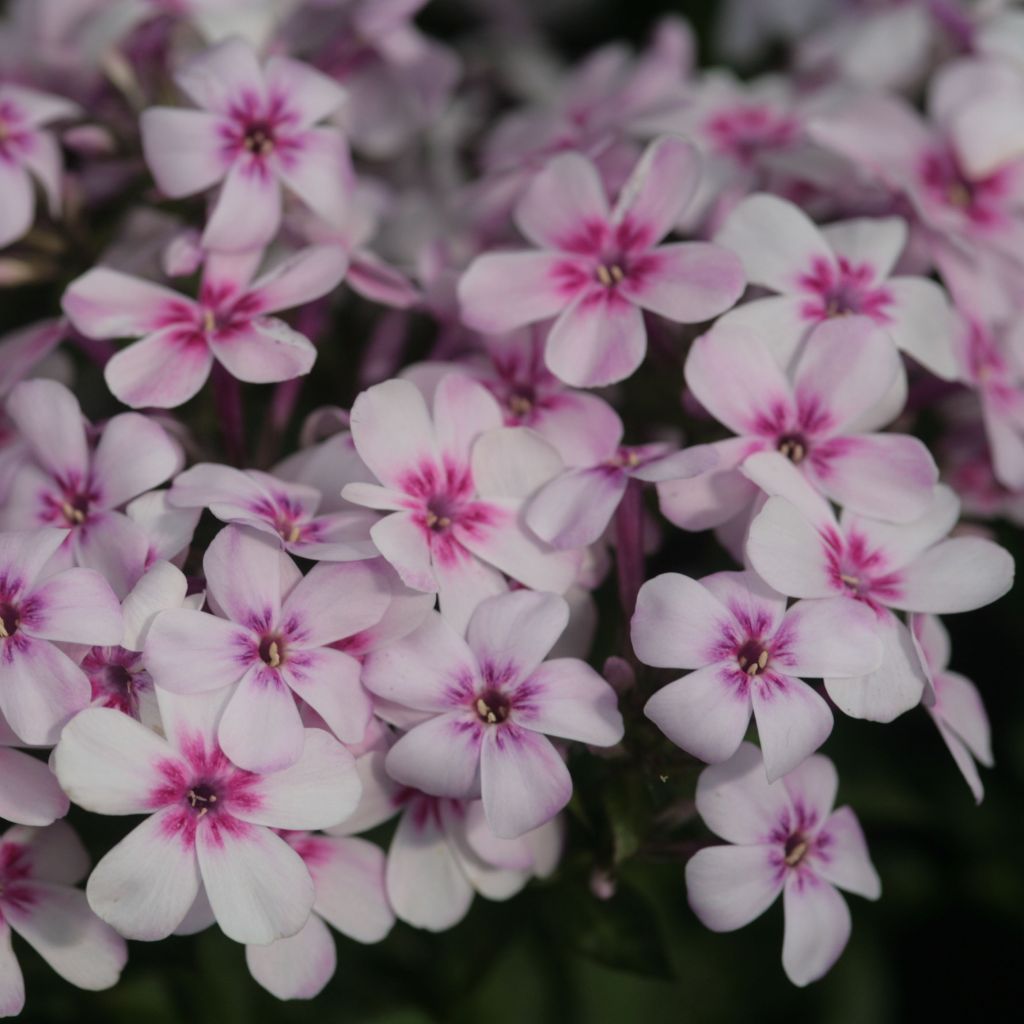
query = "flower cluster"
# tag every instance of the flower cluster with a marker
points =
(264, 648)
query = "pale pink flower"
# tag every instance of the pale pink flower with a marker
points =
(287, 511)
(38, 901)
(597, 268)
(747, 653)
(81, 486)
(954, 704)
(455, 484)
(27, 151)
(350, 895)
(181, 337)
(787, 839)
(489, 703)
(798, 547)
(271, 636)
(842, 270)
(823, 418)
(210, 823)
(255, 133)
(41, 688)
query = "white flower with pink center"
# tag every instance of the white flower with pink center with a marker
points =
(80, 484)
(455, 484)
(39, 902)
(286, 510)
(597, 268)
(210, 825)
(269, 644)
(841, 270)
(41, 688)
(27, 151)
(798, 547)
(256, 133)
(748, 654)
(489, 704)
(822, 418)
(786, 839)
(182, 337)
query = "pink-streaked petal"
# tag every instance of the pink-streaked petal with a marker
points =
(738, 803)
(308, 275)
(834, 636)
(776, 241)
(788, 552)
(441, 756)
(36, 107)
(501, 291)
(960, 707)
(756, 608)
(146, 884)
(56, 853)
(48, 417)
(463, 410)
(841, 855)
(19, 206)
(574, 509)
(565, 206)
(247, 212)
(876, 242)
(297, 967)
(24, 553)
(307, 91)
(320, 174)
(74, 606)
(257, 884)
(109, 763)
(516, 631)
(184, 149)
(523, 780)
(425, 670)
(817, 927)
(600, 339)
(334, 601)
(63, 930)
(328, 681)
(246, 574)
(319, 790)
(732, 374)
(350, 893)
(729, 886)
(191, 652)
(223, 76)
(42, 689)
(393, 431)
(677, 623)
(105, 303)
(401, 540)
(658, 191)
(265, 350)
(687, 282)
(792, 721)
(135, 454)
(957, 575)
(566, 698)
(921, 324)
(705, 713)
(163, 370)
(29, 792)
(425, 883)
(893, 688)
(261, 730)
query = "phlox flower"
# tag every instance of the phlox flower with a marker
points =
(41, 688)
(798, 547)
(28, 151)
(210, 823)
(488, 703)
(596, 267)
(455, 484)
(823, 418)
(80, 483)
(748, 653)
(841, 270)
(255, 132)
(954, 704)
(268, 643)
(786, 839)
(38, 901)
(182, 337)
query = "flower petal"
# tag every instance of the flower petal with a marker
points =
(318, 169)
(297, 967)
(660, 188)
(29, 793)
(247, 212)
(565, 206)
(565, 697)
(261, 730)
(190, 652)
(834, 636)
(792, 721)
(729, 886)
(516, 631)
(134, 455)
(348, 874)
(841, 855)
(957, 575)
(440, 756)
(105, 303)
(328, 681)
(303, 277)
(333, 601)
(184, 149)
(74, 606)
(817, 927)
(163, 370)
(48, 417)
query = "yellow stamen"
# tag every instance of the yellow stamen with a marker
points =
(209, 320)
(273, 654)
(617, 274)
(3, 630)
(485, 712)
(603, 276)
(762, 659)
(794, 856)
(850, 581)
(293, 534)
(72, 514)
